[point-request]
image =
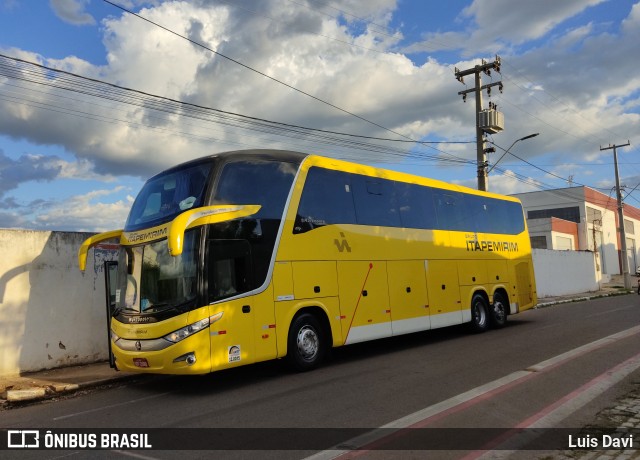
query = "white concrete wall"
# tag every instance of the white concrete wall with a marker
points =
(564, 272)
(51, 314)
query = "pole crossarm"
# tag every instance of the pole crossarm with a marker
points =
(483, 87)
(495, 65)
(615, 146)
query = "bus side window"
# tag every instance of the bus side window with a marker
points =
(375, 201)
(229, 268)
(326, 200)
(479, 212)
(415, 203)
(451, 211)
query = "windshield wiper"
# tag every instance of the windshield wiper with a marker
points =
(117, 311)
(158, 307)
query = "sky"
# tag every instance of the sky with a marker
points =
(94, 100)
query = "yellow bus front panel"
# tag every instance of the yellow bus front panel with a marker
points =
(164, 361)
(233, 337)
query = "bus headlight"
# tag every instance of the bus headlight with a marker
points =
(183, 333)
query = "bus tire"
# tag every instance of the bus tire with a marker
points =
(306, 343)
(479, 313)
(498, 314)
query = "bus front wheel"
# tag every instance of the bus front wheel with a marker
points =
(306, 344)
(479, 313)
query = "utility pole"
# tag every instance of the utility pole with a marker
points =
(481, 154)
(623, 236)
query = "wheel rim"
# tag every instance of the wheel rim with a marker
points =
(499, 311)
(479, 314)
(308, 343)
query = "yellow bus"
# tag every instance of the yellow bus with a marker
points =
(247, 256)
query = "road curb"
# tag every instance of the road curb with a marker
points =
(582, 298)
(45, 390)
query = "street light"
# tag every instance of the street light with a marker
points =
(507, 151)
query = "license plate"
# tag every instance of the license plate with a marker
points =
(140, 362)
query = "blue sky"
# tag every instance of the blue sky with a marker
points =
(74, 161)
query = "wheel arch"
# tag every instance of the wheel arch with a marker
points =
(502, 290)
(317, 309)
(481, 291)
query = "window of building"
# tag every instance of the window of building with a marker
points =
(628, 227)
(563, 243)
(594, 215)
(571, 214)
(539, 242)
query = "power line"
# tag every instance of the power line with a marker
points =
(33, 73)
(8, 73)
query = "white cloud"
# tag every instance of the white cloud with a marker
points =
(509, 182)
(88, 212)
(501, 20)
(72, 11)
(43, 168)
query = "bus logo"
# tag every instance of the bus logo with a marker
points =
(23, 439)
(343, 244)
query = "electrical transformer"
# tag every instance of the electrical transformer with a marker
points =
(491, 121)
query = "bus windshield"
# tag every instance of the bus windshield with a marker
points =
(151, 280)
(166, 195)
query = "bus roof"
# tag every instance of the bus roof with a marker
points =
(324, 161)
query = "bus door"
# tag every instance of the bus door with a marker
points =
(110, 285)
(230, 273)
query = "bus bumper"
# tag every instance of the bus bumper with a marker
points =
(189, 356)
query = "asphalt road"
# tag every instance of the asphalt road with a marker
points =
(551, 367)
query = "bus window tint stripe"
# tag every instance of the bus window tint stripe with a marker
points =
(337, 197)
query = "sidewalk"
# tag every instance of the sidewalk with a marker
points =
(52, 382)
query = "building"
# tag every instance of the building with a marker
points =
(581, 218)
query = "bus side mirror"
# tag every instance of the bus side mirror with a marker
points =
(91, 242)
(203, 216)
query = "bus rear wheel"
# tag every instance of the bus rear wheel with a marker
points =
(306, 343)
(479, 313)
(499, 311)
